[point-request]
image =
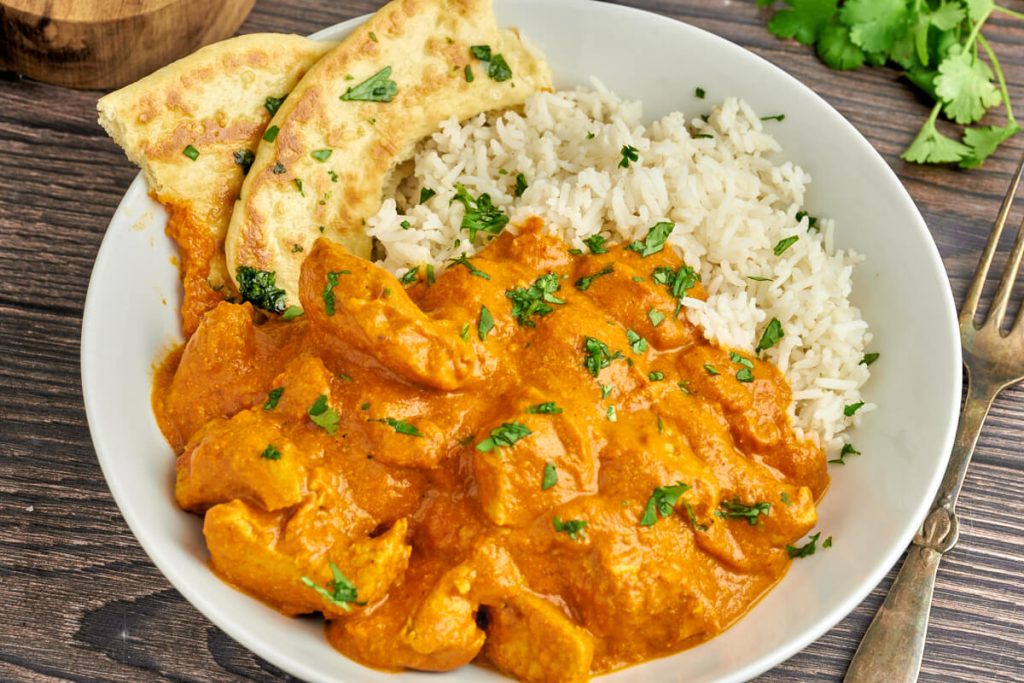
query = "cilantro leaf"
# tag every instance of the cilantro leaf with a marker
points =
(550, 476)
(583, 284)
(534, 300)
(573, 528)
(546, 408)
(259, 288)
(662, 502)
(932, 147)
(377, 88)
(771, 336)
(806, 550)
(504, 436)
(737, 510)
(323, 415)
(965, 85)
(837, 50)
(984, 140)
(947, 16)
(875, 25)
(486, 323)
(595, 243)
(340, 591)
(400, 426)
(804, 21)
(481, 215)
(598, 356)
(654, 241)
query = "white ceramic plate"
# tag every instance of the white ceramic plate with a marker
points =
(876, 502)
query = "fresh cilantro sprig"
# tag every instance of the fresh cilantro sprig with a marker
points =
(938, 46)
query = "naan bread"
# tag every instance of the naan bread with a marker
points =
(212, 102)
(296, 192)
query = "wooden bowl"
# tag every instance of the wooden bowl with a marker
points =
(106, 44)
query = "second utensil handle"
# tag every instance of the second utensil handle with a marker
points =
(894, 643)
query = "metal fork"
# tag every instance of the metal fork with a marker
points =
(894, 642)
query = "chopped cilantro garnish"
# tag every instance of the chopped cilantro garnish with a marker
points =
(520, 185)
(784, 497)
(410, 276)
(612, 415)
(662, 502)
(259, 288)
(270, 134)
(323, 415)
(468, 71)
(827, 543)
(583, 284)
(377, 88)
(321, 154)
(191, 152)
(481, 52)
(465, 332)
(806, 550)
(573, 528)
(785, 244)
(272, 104)
(291, 313)
(654, 241)
(298, 184)
(499, 69)
(708, 368)
(430, 274)
(271, 453)
(486, 323)
(776, 117)
(745, 375)
(812, 222)
(629, 153)
(636, 342)
(869, 358)
(597, 356)
(400, 426)
(278, 168)
(481, 215)
(463, 261)
(758, 278)
(737, 510)
(339, 592)
(846, 450)
(595, 243)
(851, 409)
(550, 477)
(328, 293)
(684, 386)
(771, 336)
(534, 300)
(504, 436)
(678, 282)
(700, 93)
(655, 376)
(272, 398)
(547, 408)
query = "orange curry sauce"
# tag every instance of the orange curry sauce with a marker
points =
(581, 488)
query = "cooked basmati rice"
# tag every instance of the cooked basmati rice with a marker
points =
(717, 179)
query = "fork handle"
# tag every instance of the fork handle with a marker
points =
(891, 649)
(894, 642)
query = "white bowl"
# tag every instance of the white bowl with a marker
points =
(876, 502)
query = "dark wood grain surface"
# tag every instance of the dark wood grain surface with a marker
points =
(81, 601)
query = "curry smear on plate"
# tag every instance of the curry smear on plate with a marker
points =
(530, 460)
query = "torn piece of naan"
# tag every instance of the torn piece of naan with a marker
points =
(193, 127)
(360, 111)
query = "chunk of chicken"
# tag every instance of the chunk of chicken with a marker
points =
(365, 307)
(532, 640)
(246, 457)
(508, 480)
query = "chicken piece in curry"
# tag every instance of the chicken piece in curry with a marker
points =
(531, 461)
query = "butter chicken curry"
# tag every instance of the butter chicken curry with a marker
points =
(532, 460)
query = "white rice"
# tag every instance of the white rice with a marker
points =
(729, 196)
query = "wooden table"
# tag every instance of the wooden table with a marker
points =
(80, 599)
